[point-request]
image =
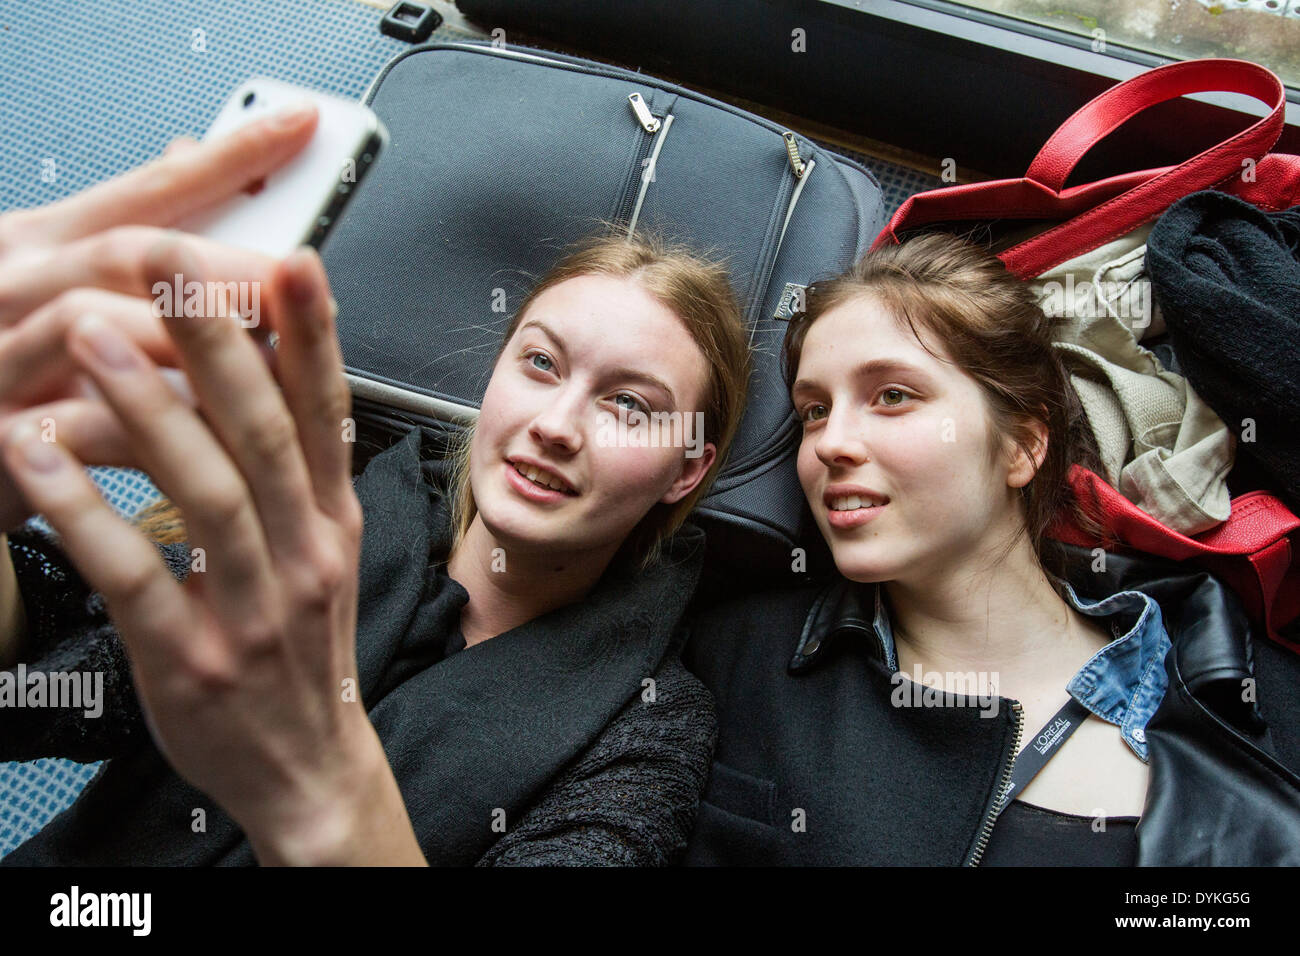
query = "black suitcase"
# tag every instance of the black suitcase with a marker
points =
(498, 158)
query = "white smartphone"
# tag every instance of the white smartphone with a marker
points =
(298, 203)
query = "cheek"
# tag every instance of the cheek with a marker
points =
(487, 445)
(808, 465)
(941, 462)
(638, 476)
(499, 398)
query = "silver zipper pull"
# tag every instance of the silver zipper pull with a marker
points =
(643, 114)
(792, 150)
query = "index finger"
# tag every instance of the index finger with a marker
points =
(177, 184)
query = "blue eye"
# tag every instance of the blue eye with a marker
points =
(546, 365)
(633, 404)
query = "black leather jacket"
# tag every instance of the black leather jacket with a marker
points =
(814, 765)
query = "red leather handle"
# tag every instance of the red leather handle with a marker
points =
(1125, 212)
(1117, 105)
(1090, 215)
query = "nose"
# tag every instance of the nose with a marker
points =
(841, 441)
(557, 425)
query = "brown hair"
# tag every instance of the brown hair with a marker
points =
(694, 288)
(698, 291)
(991, 325)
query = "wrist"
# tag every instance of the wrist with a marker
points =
(360, 819)
(13, 617)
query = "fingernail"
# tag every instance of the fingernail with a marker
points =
(302, 275)
(104, 342)
(291, 116)
(36, 453)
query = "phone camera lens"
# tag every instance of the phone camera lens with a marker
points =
(248, 100)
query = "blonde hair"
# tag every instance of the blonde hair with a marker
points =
(162, 522)
(697, 290)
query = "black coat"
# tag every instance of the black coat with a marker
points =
(551, 724)
(814, 766)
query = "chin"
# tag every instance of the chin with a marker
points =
(512, 520)
(515, 529)
(859, 565)
(866, 575)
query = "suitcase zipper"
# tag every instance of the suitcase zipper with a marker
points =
(643, 163)
(643, 114)
(797, 165)
(801, 170)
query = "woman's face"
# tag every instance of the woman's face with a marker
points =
(588, 352)
(896, 458)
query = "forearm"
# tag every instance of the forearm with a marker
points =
(13, 615)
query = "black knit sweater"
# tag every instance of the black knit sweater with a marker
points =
(1227, 279)
(579, 733)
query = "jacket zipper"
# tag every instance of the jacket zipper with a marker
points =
(629, 209)
(989, 817)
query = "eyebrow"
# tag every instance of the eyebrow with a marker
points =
(622, 372)
(873, 367)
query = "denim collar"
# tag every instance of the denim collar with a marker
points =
(1123, 683)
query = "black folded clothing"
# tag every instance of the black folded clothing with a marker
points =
(1227, 278)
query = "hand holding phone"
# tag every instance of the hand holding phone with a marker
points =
(92, 253)
(293, 205)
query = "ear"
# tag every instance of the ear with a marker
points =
(1025, 466)
(693, 472)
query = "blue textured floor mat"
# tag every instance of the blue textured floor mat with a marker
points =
(88, 90)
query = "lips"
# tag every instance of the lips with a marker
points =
(843, 497)
(849, 506)
(541, 477)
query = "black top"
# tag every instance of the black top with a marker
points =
(816, 763)
(1029, 835)
(602, 761)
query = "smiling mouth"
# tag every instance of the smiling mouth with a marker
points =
(855, 503)
(542, 478)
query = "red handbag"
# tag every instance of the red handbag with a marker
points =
(1253, 550)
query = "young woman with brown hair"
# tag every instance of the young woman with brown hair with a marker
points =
(965, 690)
(331, 689)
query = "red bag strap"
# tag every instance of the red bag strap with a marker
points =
(1095, 213)
(1110, 110)
(1125, 212)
